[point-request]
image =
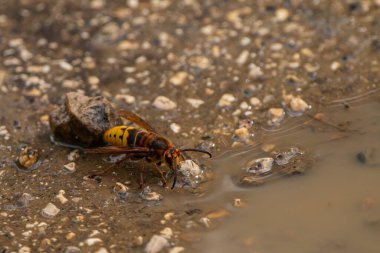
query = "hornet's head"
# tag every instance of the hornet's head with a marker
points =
(173, 157)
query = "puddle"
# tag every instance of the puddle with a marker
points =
(334, 207)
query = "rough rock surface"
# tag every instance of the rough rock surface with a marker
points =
(82, 120)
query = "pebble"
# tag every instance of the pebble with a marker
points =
(156, 244)
(167, 232)
(189, 167)
(260, 166)
(255, 71)
(276, 115)
(243, 57)
(66, 66)
(168, 216)
(73, 156)
(148, 195)
(72, 249)
(44, 119)
(369, 156)
(175, 127)
(199, 61)
(121, 190)
(282, 14)
(267, 147)
(28, 157)
(4, 132)
(242, 134)
(69, 236)
(24, 249)
(102, 250)
(60, 196)
(335, 66)
(238, 203)
(226, 100)
(70, 167)
(70, 84)
(217, 214)
(206, 222)
(176, 249)
(178, 78)
(50, 211)
(297, 104)
(164, 103)
(255, 102)
(93, 241)
(195, 102)
(128, 99)
(133, 3)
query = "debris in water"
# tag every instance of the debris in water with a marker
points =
(282, 158)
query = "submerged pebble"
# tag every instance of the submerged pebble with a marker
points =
(93, 241)
(195, 102)
(242, 134)
(149, 195)
(50, 211)
(28, 158)
(283, 158)
(121, 190)
(226, 100)
(73, 155)
(167, 232)
(276, 115)
(60, 196)
(156, 244)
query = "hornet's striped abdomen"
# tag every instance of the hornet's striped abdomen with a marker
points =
(124, 136)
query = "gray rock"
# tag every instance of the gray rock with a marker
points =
(156, 244)
(82, 119)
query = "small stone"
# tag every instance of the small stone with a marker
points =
(244, 106)
(217, 214)
(69, 236)
(189, 167)
(243, 57)
(199, 61)
(164, 103)
(242, 134)
(298, 105)
(226, 100)
(4, 132)
(178, 78)
(28, 158)
(156, 244)
(73, 156)
(66, 66)
(121, 190)
(255, 71)
(72, 249)
(176, 249)
(245, 41)
(60, 196)
(148, 195)
(102, 250)
(206, 222)
(282, 14)
(24, 249)
(50, 211)
(44, 119)
(128, 99)
(369, 156)
(195, 102)
(260, 166)
(133, 3)
(255, 102)
(335, 66)
(93, 241)
(169, 216)
(238, 203)
(175, 127)
(167, 232)
(70, 167)
(276, 115)
(139, 240)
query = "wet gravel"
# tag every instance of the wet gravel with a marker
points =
(208, 74)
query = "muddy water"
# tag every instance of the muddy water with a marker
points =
(334, 207)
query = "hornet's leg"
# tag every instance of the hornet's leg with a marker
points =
(163, 179)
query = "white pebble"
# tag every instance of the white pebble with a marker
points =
(50, 211)
(24, 249)
(190, 167)
(73, 156)
(156, 244)
(92, 241)
(148, 195)
(164, 103)
(195, 102)
(66, 66)
(335, 66)
(255, 102)
(282, 14)
(60, 196)
(70, 167)
(226, 100)
(133, 3)
(254, 71)
(175, 127)
(276, 115)
(245, 41)
(102, 250)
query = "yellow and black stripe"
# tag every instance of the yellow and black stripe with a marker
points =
(125, 136)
